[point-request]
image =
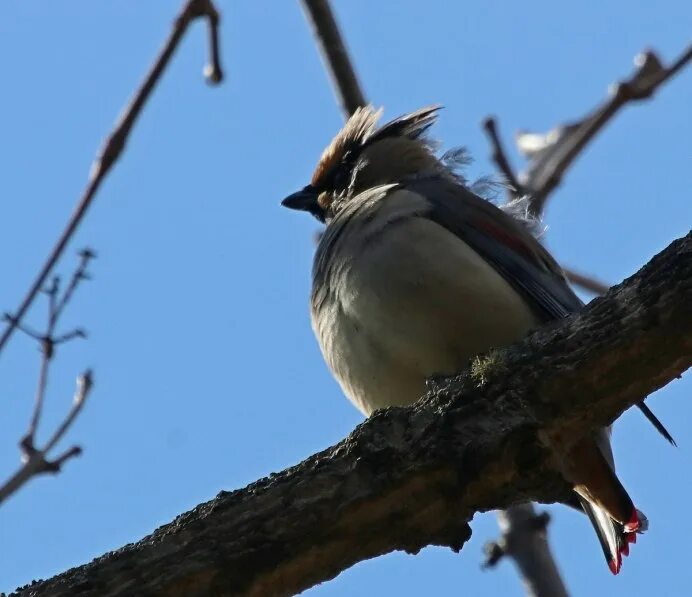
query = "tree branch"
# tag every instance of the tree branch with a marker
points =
(116, 141)
(586, 282)
(35, 460)
(525, 540)
(412, 477)
(553, 153)
(514, 190)
(334, 55)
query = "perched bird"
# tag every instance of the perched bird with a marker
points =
(415, 274)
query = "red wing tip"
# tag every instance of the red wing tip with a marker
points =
(631, 537)
(633, 525)
(615, 565)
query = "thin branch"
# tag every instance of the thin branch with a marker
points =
(52, 291)
(213, 70)
(562, 145)
(116, 142)
(524, 537)
(552, 154)
(412, 477)
(84, 384)
(586, 282)
(22, 327)
(55, 465)
(36, 460)
(334, 55)
(27, 442)
(48, 340)
(80, 274)
(514, 190)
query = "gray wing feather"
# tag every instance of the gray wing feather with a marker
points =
(532, 271)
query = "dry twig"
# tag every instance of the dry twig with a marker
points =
(552, 154)
(36, 461)
(514, 189)
(525, 540)
(334, 55)
(589, 283)
(116, 141)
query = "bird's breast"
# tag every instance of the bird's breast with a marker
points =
(406, 301)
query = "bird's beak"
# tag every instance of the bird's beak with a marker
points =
(304, 200)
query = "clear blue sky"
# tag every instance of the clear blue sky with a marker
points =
(207, 374)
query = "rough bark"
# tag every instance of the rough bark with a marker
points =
(411, 477)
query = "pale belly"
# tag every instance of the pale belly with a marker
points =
(415, 303)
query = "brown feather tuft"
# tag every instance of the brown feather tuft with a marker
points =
(359, 127)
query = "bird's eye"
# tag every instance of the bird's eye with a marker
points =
(341, 179)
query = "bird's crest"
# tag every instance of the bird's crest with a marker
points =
(359, 132)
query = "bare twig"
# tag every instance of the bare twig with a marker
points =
(213, 70)
(85, 256)
(116, 141)
(586, 282)
(514, 189)
(556, 150)
(84, 385)
(334, 55)
(551, 154)
(48, 340)
(46, 355)
(525, 540)
(35, 460)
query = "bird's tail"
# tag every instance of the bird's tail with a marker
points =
(615, 540)
(604, 499)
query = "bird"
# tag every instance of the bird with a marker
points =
(416, 274)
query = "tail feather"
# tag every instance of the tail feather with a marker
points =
(603, 498)
(614, 537)
(609, 533)
(653, 419)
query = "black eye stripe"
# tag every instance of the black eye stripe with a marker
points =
(340, 175)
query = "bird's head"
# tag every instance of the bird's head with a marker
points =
(362, 156)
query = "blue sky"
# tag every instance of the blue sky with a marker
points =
(207, 374)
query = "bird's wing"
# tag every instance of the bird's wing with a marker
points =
(504, 242)
(512, 249)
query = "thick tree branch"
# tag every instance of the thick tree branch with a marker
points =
(117, 139)
(411, 477)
